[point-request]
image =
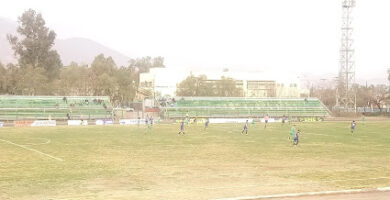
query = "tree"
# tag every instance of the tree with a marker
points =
(388, 74)
(158, 62)
(32, 81)
(101, 65)
(194, 86)
(326, 92)
(226, 87)
(33, 49)
(142, 65)
(373, 95)
(3, 83)
(200, 86)
(11, 79)
(74, 80)
(125, 77)
(187, 86)
(363, 95)
(379, 96)
(102, 76)
(105, 85)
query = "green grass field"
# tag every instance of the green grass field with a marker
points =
(126, 162)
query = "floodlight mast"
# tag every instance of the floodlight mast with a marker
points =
(346, 95)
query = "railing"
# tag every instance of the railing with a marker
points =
(54, 113)
(372, 110)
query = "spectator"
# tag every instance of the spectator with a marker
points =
(68, 116)
(65, 100)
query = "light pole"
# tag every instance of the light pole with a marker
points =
(337, 90)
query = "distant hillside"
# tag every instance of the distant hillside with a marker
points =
(6, 54)
(80, 50)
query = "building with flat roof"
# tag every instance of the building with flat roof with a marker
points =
(251, 84)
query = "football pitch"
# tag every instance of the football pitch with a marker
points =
(130, 162)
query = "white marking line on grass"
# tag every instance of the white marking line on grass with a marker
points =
(298, 183)
(47, 142)
(383, 189)
(292, 195)
(34, 150)
(358, 179)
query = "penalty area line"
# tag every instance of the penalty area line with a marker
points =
(31, 149)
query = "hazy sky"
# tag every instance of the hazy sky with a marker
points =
(301, 36)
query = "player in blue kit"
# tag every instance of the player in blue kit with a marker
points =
(296, 138)
(181, 127)
(245, 128)
(353, 126)
(206, 124)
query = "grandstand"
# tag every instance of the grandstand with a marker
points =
(54, 107)
(244, 107)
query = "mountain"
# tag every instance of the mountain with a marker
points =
(80, 50)
(6, 54)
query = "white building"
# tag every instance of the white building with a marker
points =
(254, 83)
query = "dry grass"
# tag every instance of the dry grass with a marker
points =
(119, 162)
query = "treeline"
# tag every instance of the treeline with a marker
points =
(376, 96)
(201, 86)
(39, 70)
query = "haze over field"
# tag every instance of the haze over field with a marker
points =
(297, 37)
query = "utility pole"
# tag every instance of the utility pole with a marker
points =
(346, 95)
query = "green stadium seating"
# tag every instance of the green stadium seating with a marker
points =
(245, 107)
(54, 107)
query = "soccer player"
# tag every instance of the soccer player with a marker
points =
(283, 120)
(150, 125)
(364, 118)
(266, 120)
(187, 118)
(206, 124)
(296, 138)
(146, 120)
(292, 133)
(353, 125)
(245, 128)
(181, 127)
